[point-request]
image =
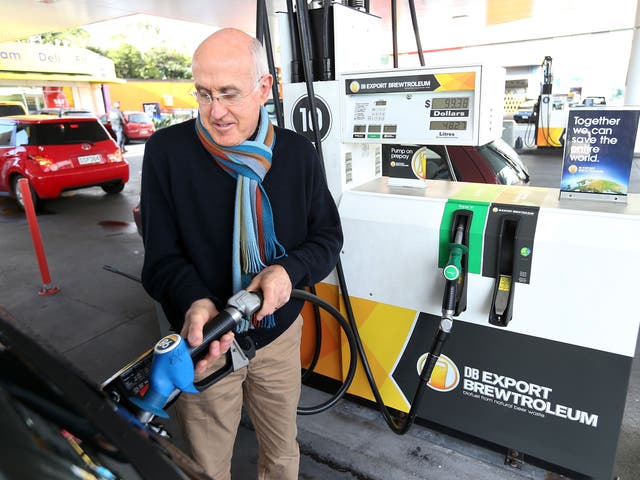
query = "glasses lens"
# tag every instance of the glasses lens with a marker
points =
(231, 99)
(226, 99)
(202, 98)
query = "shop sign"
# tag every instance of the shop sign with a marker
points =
(26, 57)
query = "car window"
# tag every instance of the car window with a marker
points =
(511, 156)
(437, 167)
(22, 136)
(139, 118)
(5, 135)
(504, 161)
(66, 133)
(6, 110)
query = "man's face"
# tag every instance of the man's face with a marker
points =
(230, 125)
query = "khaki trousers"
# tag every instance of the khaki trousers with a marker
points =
(270, 388)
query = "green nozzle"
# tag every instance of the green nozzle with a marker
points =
(453, 268)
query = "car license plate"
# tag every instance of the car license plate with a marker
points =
(144, 132)
(87, 159)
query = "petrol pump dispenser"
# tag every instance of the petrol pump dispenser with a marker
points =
(534, 364)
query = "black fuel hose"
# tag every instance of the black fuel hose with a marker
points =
(296, 70)
(394, 31)
(416, 31)
(353, 360)
(402, 425)
(261, 13)
(304, 31)
(325, 64)
(318, 338)
(275, 92)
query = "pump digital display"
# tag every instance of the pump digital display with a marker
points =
(422, 106)
(447, 125)
(450, 102)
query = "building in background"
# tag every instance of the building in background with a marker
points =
(173, 97)
(50, 76)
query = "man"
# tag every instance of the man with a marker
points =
(230, 202)
(116, 117)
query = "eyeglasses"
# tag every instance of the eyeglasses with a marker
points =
(226, 99)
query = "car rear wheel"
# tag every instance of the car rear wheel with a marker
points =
(113, 188)
(18, 194)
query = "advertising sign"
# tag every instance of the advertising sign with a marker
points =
(54, 97)
(598, 153)
(407, 165)
(550, 400)
(152, 109)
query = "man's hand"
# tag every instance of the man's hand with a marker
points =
(275, 284)
(200, 312)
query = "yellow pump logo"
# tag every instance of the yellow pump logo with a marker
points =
(445, 376)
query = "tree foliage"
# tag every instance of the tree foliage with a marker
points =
(128, 61)
(73, 37)
(166, 64)
(159, 63)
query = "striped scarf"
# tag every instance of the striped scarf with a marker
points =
(254, 239)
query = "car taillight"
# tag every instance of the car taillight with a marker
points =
(115, 157)
(45, 163)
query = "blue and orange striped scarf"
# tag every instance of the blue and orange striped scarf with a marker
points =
(254, 239)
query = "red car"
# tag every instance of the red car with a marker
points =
(138, 126)
(57, 154)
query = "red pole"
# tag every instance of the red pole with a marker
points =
(27, 200)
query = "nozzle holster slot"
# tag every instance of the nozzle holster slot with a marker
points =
(505, 279)
(461, 218)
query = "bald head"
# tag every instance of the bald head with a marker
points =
(231, 65)
(234, 45)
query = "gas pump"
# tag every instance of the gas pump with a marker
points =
(519, 371)
(551, 111)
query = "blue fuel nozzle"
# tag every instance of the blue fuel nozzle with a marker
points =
(171, 368)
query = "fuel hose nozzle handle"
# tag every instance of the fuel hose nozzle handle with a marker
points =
(242, 305)
(172, 367)
(453, 268)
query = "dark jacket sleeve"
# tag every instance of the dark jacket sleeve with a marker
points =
(313, 259)
(167, 275)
